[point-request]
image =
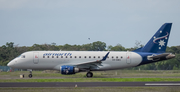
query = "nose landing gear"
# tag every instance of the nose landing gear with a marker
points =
(30, 75)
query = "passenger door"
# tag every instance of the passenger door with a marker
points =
(36, 58)
(128, 57)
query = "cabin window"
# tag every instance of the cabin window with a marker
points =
(61, 56)
(52, 56)
(74, 56)
(108, 57)
(56, 56)
(116, 56)
(70, 56)
(89, 56)
(98, 56)
(121, 56)
(43, 56)
(66, 56)
(94, 56)
(84, 56)
(79, 56)
(47, 56)
(112, 57)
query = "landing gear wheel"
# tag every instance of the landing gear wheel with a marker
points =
(89, 74)
(30, 75)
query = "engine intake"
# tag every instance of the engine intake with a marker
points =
(66, 69)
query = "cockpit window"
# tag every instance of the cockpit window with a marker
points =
(19, 56)
(23, 56)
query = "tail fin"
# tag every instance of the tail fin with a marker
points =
(158, 43)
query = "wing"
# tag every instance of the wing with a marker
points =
(89, 65)
(94, 61)
(86, 65)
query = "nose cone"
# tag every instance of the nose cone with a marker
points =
(10, 64)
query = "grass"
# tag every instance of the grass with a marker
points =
(101, 76)
(94, 89)
(93, 80)
(107, 76)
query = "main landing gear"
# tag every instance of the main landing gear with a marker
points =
(89, 74)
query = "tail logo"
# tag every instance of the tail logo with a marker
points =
(161, 42)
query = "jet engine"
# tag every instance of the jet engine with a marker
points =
(66, 69)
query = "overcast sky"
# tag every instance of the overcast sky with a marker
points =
(28, 22)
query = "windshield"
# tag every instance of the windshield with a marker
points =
(21, 56)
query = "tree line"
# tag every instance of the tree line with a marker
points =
(9, 51)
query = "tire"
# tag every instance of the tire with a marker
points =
(30, 75)
(89, 74)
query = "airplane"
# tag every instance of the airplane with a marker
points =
(72, 62)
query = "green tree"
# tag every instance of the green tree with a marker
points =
(109, 47)
(98, 46)
(86, 47)
(118, 47)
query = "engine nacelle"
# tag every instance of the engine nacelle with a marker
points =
(66, 69)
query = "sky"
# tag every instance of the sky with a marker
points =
(28, 22)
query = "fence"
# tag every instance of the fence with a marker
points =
(6, 69)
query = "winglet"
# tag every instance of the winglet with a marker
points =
(104, 58)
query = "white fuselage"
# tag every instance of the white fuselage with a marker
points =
(56, 59)
(71, 62)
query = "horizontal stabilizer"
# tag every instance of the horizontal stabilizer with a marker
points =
(163, 56)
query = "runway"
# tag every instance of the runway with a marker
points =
(87, 84)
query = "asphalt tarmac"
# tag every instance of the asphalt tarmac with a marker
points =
(87, 84)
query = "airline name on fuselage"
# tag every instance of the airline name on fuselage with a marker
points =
(57, 54)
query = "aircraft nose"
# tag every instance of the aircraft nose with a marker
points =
(10, 64)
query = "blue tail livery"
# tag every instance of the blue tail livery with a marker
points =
(155, 49)
(158, 43)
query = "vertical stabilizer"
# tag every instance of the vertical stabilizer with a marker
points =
(158, 43)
